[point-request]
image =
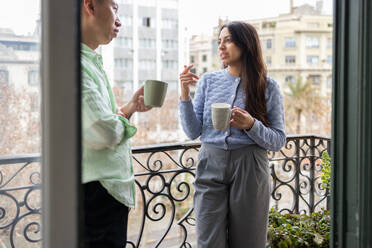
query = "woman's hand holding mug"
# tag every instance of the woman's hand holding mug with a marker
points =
(240, 118)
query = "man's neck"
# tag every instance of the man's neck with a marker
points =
(91, 45)
(88, 38)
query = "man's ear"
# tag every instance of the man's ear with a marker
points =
(89, 6)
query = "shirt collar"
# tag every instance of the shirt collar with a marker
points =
(91, 54)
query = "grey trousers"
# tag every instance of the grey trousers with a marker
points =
(232, 195)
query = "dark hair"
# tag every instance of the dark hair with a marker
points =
(253, 74)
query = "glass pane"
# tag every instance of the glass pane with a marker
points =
(20, 132)
(155, 40)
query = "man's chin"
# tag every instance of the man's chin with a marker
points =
(107, 41)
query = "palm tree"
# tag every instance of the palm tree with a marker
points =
(302, 98)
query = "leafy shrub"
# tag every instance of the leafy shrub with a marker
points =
(326, 169)
(289, 231)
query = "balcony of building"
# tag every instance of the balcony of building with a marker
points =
(164, 173)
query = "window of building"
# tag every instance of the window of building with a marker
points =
(147, 43)
(192, 59)
(269, 44)
(126, 21)
(33, 77)
(290, 42)
(147, 22)
(4, 76)
(147, 64)
(329, 81)
(290, 79)
(313, 25)
(170, 44)
(172, 86)
(126, 87)
(268, 60)
(214, 47)
(290, 59)
(268, 24)
(124, 42)
(170, 24)
(204, 58)
(329, 43)
(123, 63)
(329, 59)
(312, 42)
(205, 69)
(21, 45)
(34, 101)
(315, 79)
(170, 64)
(312, 60)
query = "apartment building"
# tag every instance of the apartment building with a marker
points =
(147, 44)
(147, 47)
(19, 60)
(19, 64)
(295, 45)
(202, 50)
(298, 45)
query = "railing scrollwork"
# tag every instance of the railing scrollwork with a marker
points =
(164, 181)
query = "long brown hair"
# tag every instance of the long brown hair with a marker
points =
(253, 74)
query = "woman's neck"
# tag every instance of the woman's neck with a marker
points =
(234, 70)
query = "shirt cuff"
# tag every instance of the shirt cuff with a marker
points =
(254, 129)
(129, 130)
(185, 101)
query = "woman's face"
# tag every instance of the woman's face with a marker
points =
(230, 53)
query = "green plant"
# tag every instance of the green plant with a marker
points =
(326, 169)
(292, 231)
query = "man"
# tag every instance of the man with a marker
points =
(107, 173)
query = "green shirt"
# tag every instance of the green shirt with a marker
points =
(106, 148)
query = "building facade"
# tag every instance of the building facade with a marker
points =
(147, 45)
(19, 64)
(294, 45)
(298, 46)
(19, 59)
(202, 50)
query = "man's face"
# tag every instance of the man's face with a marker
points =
(107, 22)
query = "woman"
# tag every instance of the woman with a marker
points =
(232, 185)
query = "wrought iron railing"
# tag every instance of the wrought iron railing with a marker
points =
(164, 176)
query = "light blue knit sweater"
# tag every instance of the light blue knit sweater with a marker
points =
(221, 86)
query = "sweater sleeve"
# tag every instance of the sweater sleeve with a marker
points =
(191, 112)
(272, 138)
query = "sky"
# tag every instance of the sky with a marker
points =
(199, 16)
(202, 15)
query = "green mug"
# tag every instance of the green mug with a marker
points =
(155, 92)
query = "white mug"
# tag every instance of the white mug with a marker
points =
(221, 114)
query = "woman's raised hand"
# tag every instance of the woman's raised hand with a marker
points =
(187, 78)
